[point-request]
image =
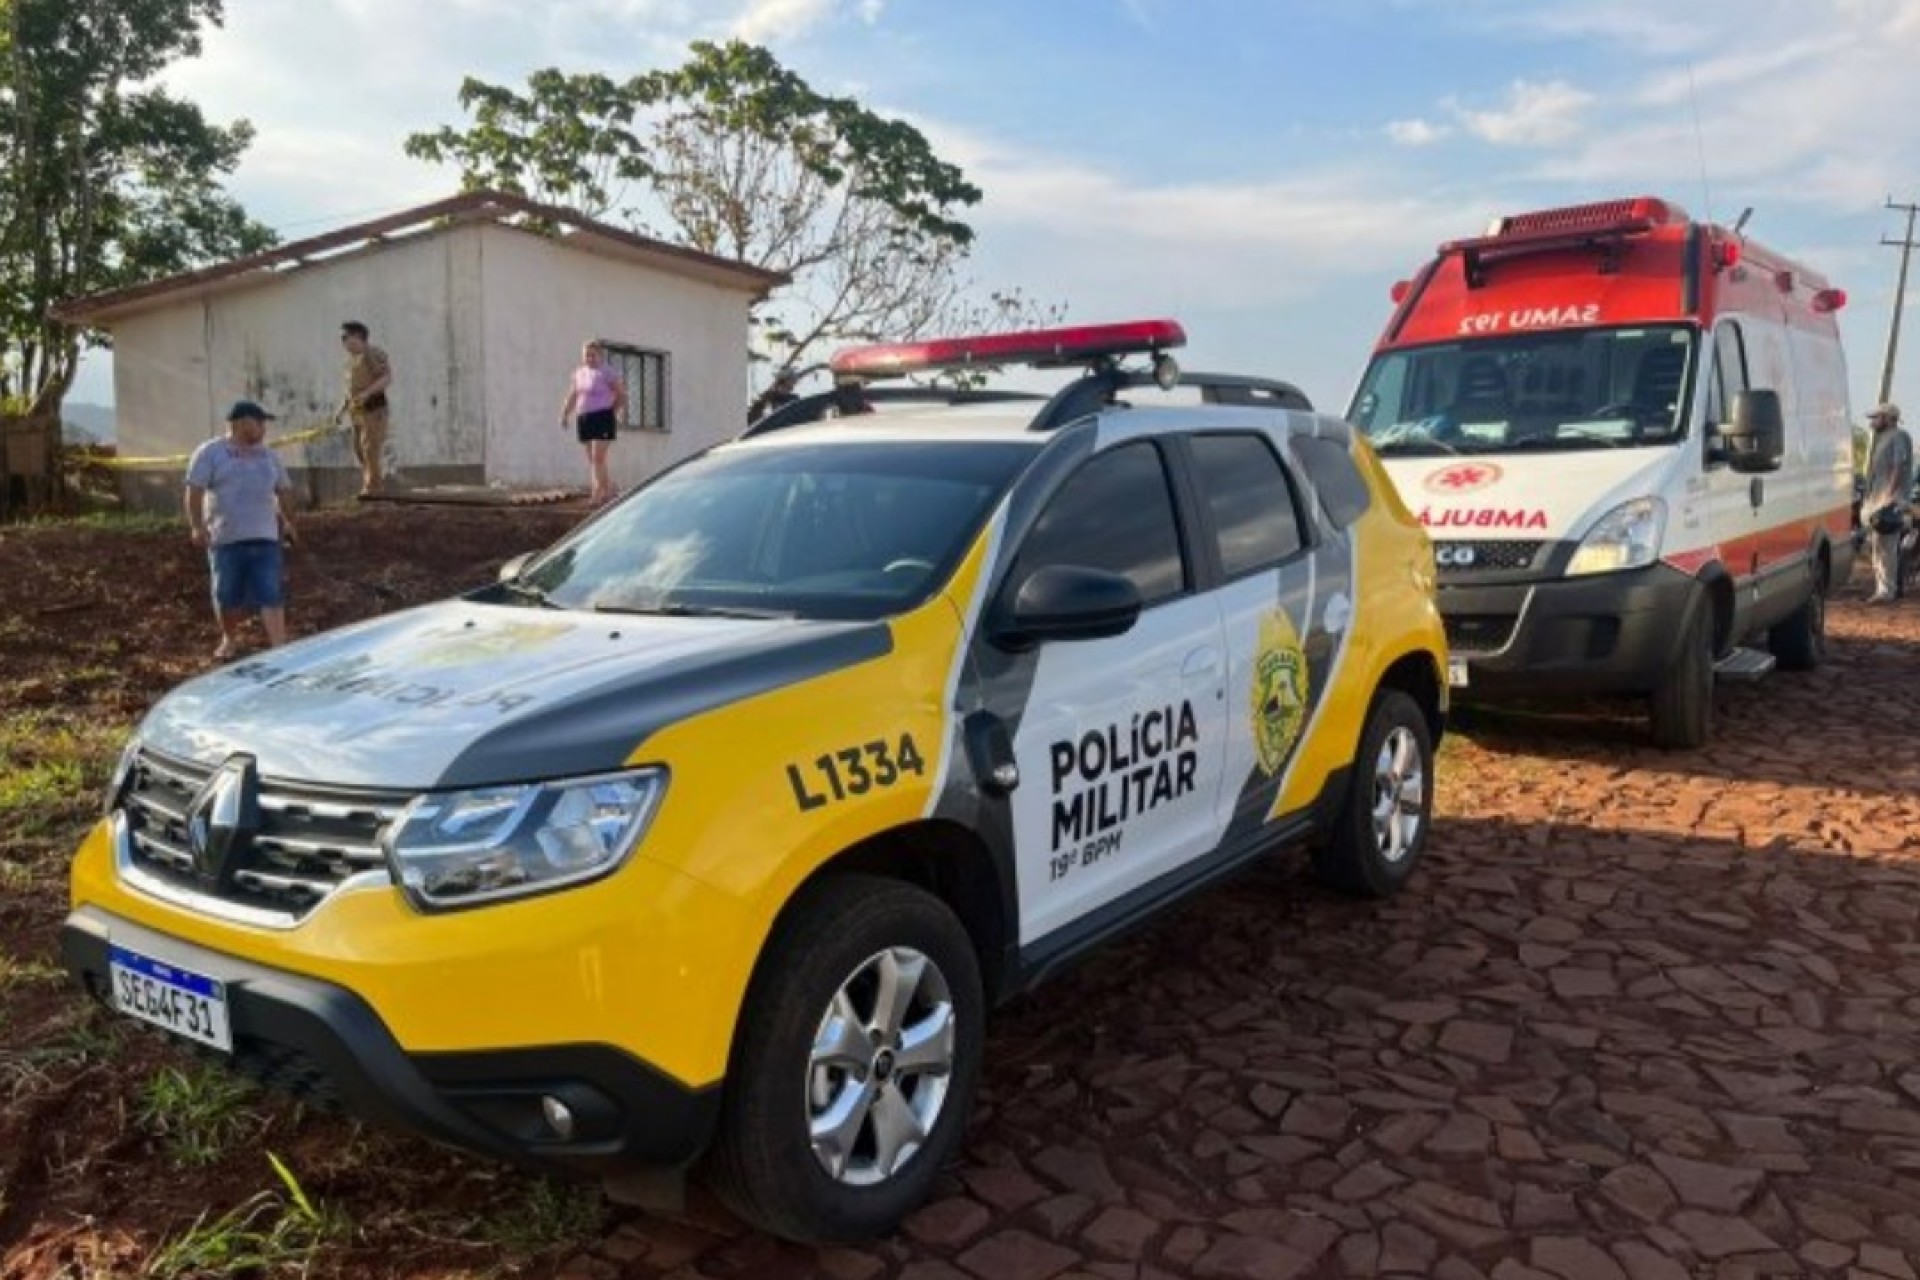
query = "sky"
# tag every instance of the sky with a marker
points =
(1261, 170)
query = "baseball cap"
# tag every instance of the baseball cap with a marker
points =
(247, 409)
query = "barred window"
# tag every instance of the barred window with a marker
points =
(646, 376)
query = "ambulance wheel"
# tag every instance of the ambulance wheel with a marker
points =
(1382, 826)
(1681, 707)
(855, 1063)
(1800, 641)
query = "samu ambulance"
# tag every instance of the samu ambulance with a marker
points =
(718, 825)
(1627, 433)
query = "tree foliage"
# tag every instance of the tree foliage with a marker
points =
(733, 154)
(107, 180)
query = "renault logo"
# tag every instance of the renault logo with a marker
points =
(223, 819)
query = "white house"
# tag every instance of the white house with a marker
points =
(481, 301)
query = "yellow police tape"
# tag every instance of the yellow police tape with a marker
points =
(181, 459)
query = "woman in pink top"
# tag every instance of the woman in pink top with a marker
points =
(596, 401)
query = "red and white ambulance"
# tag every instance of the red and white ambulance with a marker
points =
(1627, 433)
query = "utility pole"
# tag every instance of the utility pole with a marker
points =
(1899, 298)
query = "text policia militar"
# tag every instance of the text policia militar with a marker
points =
(1116, 773)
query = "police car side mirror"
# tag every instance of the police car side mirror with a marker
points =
(1066, 602)
(1757, 437)
(511, 569)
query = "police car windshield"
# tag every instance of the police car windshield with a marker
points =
(1570, 389)
(827, 530)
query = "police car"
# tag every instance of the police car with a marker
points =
(717, 827)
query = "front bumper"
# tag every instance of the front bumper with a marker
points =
(327, 1046)
(1611, 633)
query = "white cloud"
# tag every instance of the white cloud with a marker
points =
(1416, 133)
(1116, 243)
(1535, 114)
(1648, 28)
(764, 21)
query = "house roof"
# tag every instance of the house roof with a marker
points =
(577, 231)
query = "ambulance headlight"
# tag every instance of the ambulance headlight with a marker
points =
(467, 848)
(1627, 537)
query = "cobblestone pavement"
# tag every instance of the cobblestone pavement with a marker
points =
(1641, 1015)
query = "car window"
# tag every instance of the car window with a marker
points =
(1254, 519)
(1342, 489)
(834, 531)
(1114, 513)
(1729, 372)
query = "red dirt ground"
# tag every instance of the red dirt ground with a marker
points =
(1641, 1015)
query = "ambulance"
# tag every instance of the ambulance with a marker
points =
(1627, 433)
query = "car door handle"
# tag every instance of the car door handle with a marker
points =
(1200, 664)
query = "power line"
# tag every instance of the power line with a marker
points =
(1899, 297)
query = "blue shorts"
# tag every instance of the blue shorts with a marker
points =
(246, 575)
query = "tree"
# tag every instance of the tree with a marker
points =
(733, 154)
(107, 181)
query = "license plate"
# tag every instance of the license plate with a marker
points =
(179, 1000)
(1457, 672)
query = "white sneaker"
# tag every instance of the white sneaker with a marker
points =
(1879, 597)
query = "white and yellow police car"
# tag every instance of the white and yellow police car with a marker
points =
(718, 826)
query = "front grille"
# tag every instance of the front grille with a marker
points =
(1485, 557)
(310, 840)
(1479, 632)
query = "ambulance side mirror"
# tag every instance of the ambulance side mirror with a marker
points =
(1757, 437)
(511, 569)
(1066, 602)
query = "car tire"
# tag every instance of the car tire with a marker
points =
(866, 1009)
(1799, 641)
(1382, 826)
(1680, 709)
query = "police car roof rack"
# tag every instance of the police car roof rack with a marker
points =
(1102, 387)
(1097, 348)
(817, 407)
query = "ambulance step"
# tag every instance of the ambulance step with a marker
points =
(1743, 665)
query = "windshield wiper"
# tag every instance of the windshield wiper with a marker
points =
(527, 591)
(1572, 440)
(695, 611)
(1392, 447)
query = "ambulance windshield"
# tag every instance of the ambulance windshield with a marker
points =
(1569, 389)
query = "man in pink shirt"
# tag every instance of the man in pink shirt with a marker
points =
(596, 401)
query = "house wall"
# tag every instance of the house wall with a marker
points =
(177, 368)
(544, 299)
(483, 325)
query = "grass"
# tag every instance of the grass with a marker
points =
(199, 1113)
(52, 769)
(115, 520)
(17, 970)
(80, 1036)
(277, 1230)
(548, 1214)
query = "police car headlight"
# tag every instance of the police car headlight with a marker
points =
(122, 772)
(1627, 537)
(467, 848)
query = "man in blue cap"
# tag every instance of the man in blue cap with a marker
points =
(239, 507)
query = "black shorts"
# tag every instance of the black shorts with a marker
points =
(598, 425)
